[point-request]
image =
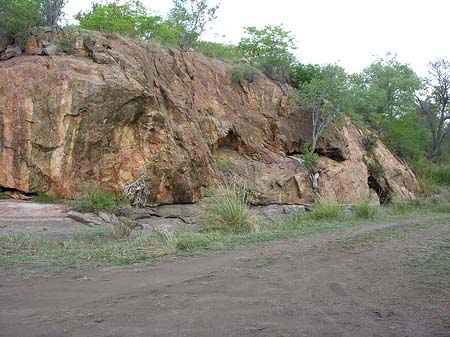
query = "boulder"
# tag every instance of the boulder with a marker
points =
(10, 52)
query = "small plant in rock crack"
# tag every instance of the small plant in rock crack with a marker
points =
(370, 143)
(310, 159)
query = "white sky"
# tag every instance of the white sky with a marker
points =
(349, 32)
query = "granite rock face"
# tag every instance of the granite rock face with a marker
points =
(114, 109)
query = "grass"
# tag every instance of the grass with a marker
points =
(43, 198)
(223, 164)
(378, 236)
(365, 210)
(434, 259)
(325, 210)
(94, 200)
(100, 248)
(226, 210)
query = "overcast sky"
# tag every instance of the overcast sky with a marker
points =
(348, 32)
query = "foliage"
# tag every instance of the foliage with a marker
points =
(303, 73)
(121, 227)
(434, 104)
(370, 142)
(385, 90)
(325, 210)
(189, 18)
(51, 10)
(43, 198)
(130, 18)
(217, 50)
(401, 207)
(227, 210)
(223, 164)
(244, 71)
(365, 210)
(269, 49)
(325, 98)
(18, 16)
(376, 169)
(441, 174)
(310, 159)
(95, 200)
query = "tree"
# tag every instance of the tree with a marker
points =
(384, 91)
(17, 17)
(189, 18)
(130, 18)
(51, 10)
(270, 49)
(325, 97)
(434, 104)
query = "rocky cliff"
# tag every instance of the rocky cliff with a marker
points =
(116, 109)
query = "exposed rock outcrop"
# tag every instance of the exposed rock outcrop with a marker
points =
(116, 109)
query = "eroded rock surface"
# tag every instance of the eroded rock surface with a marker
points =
(116, 109)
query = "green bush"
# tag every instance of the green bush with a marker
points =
(426, 185)
(222, 164)
(365, 210)
(226, 209)
(217, 50)
(325, 210)
(441, 175)
(43, 198)
(310, 158)
(370, 143)
(244, 71)
(95, 200)
(376, 170)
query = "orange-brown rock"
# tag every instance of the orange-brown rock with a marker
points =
(178, 118)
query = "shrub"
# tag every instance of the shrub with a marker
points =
(365, 210)
(375, 168)
(226, 210)
(441, 175)
(222, 164)
(43, 198)
(310, 158)
(370, 143)
(217, 50)
(244, 71)
(325, 209)
(121, 227)
(426, 185)
(95, 200)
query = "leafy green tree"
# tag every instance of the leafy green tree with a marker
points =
(130, 18)
(189, 19)
(51, 10)
(270, 49)
(303, 73)
(18, 16)
(385, 91)
(325, 97)
(434, 104)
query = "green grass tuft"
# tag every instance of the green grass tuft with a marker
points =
(95, 200)
(43, 198)
(365, 210)
(325, 209)
(226, 210)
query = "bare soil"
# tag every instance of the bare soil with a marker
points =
(312, 286)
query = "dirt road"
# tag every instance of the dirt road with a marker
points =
(319, 285)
